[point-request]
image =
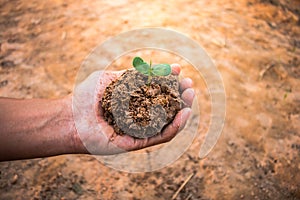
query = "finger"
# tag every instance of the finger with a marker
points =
(119, 73)
(175, 69)
(105, 78)
(188, 96)
(177, 124)
(171, 130)
(185, 83)
(127, 143)
(123, 143)
(112, 75)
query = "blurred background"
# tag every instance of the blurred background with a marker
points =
(255, 46)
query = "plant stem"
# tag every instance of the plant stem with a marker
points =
(150, 73)
(149, 80)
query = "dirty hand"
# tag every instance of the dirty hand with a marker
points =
(102, 139)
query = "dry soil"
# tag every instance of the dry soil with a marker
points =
(255, 45)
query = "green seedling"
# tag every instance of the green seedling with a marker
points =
(149, 70)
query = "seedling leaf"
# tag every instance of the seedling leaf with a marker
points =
(137, 61)
(143, 68)
(161, 70)
(149, 70)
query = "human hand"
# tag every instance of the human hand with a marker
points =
(98, 136)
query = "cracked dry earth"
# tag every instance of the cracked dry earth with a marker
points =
(255, 46)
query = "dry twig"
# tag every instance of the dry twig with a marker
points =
(188, 197)
(262, 72)
(182, 186)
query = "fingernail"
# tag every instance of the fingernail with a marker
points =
(175, 65)
(175, 69)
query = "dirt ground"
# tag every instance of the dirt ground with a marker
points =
(254, 43)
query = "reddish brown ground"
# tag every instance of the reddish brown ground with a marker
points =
(255, 45)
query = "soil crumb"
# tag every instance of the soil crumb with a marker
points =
(139, 109)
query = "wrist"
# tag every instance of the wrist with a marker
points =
(75, 144)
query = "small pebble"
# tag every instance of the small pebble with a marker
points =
(14, 179)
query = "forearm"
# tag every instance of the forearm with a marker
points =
(37, 128)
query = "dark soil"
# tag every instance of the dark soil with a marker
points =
(135, 108)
